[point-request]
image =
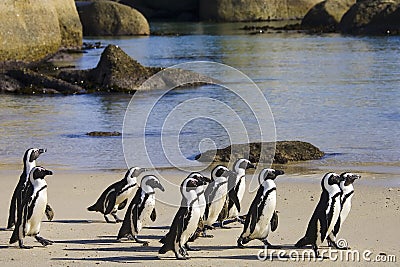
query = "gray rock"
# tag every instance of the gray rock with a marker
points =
(254, 10)
(375, 17)
(101, 18)
(325, 16)
(286, 151)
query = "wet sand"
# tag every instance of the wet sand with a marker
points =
(83, 238)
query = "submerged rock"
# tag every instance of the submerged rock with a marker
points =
(103, 134)
(286, 151)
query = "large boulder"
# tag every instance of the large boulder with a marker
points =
(325, 16)
(376, 17)
(31, 30)
(253, 10)
(285, 151)
(102, 18)
(69, 23)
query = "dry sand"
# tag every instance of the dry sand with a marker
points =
(82, 238)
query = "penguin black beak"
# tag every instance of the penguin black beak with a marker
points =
(279, 172)
(42, 150)
(159, 186)
(251, 166)
(47, 172)
(207, 179)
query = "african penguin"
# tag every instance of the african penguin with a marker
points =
(140, 209)
(186, 219)
(29, 160)
(258, 220)
(32, 209)
(347, 193)
(231, 211)
(216, 194)
(325, 214)
(115, 197)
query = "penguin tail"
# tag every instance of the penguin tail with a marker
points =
(92, 208)
(302, 242)
(162, 240)
(163, 249)
(14, 237)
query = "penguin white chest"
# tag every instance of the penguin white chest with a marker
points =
(144, 218)
(39, 207)
(262, 227)
(192, 224)
(345, 209)
(127, 192)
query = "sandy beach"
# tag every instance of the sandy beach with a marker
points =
(83, 238)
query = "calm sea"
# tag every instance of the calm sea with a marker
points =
(340, 93)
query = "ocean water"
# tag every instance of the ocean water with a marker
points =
(340, 93)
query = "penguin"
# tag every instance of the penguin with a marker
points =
(231, 210)
(325, 214)
(347, 188)
(29, 161)
(257, 224)
(216, 194)
(186, 219)
(140, 209)
(115, 197)
(32, 209)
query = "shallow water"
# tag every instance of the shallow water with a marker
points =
(340, 93)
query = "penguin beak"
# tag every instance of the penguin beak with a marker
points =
(206, 179)
(279, 172)
(159, 186)
(47, 172)
(42, 150)
(251, 166)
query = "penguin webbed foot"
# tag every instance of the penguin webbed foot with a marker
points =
(108, 220)
(240, 243)
(117, 219)
(315, 249)
(269, 245)
(143, 242)
(21, 245)
(204, 234)
(45, 242)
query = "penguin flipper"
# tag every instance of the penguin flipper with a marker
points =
(49, 212)
(274, 221)
(153, 215)
(13, 208)
(122, 204)
(126, 224)
(110, 202)
(234, 198)
(254, 211)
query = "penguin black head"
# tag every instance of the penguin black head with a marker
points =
(194, 180)
(39, 173)
(218, 171)
(243, 164)
(270, 174)
(151, 181)
(349, 178)
(332, 178)
(33, 154)
(134, 172)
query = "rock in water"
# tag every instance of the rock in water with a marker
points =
(110, 18)
(374, 17)
(285, 152)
